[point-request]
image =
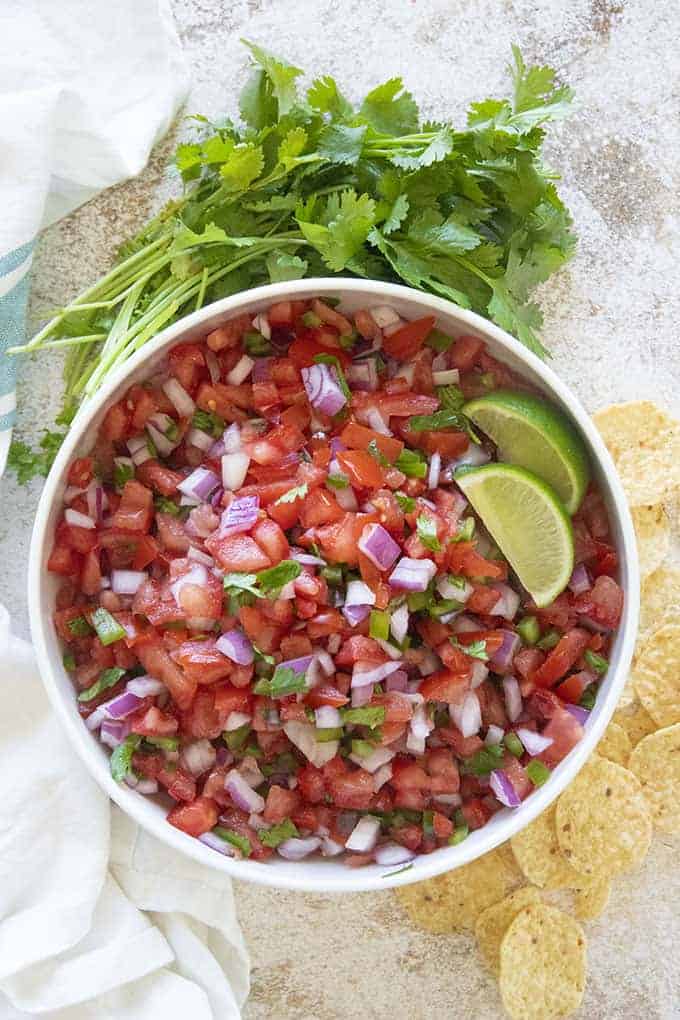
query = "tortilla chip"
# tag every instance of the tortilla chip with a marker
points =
(493, 923)
(659, 599)
(656, 763)
(543, 964)
(602, 820)
(453, 902)
(591, 899)
(634, 424)
(615, 745)
(656, 675)
(635, 720)
(651, 474)
(653, 533)
(539, 855)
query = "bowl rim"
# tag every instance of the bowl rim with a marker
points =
(304, 877)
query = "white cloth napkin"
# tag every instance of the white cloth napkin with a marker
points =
(86, 88)
(97, 918)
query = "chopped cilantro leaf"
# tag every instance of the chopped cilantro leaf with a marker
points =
(406, 503)
(121, 758)
(79, 627)
(427, 532)
(476, 649)
(241, 843)
(371, 716)
(285, 681)
(411, 464)
(297, 492)
(338, 481)
(208, 421)
(376, 453)
(278, 833)
(107, 678)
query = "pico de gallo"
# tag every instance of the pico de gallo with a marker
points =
(280, 613)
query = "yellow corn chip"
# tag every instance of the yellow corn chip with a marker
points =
(635, 720)
(602, 820)
(631, 425)
(650, 474)
(653, 533)
(656, 675)
(591, 899)
(543, 964)
(659, 599)
(452, 902)
(615, 745)
(656, 763)
(493, 923)
(539, 856)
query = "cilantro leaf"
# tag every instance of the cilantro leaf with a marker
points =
(107, 678)
(292, 146)
(28, 464)
(121, 758)
(278, 833)
(281, 76)
(242, 167)
(297, 492)
(281, 267)
(476, 649)
(407, 503)
(438, 148)
(396, 215)
(350, 221)
(426, 528)
(241, 843)
(272, 580)
(325, 97)
(257, 103)
(445, 419)
(431, 232)
(285, 681)
(235, 582)
(340, 143)
(390, 109)
(208, 421)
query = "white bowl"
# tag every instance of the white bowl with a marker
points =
(326, 875)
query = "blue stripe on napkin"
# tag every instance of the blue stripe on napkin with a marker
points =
(13, 306)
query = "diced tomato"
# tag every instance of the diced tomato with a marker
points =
(312, 784)
(195, 818)
(320, 507)
(476, 813)
(447, 686)
(80, 472)
(357, 437)
(353, 790)
(572, 688)
(237, 552)
(358, 648)
(266, 635)
(229, 334)
(142, 405)
(158, 477)
(271, 540)
(326, 695)
(565, 732)
(465, 352)
(603, 603)
(568, 650)
(280, 804)
(405, 342)
(202, 661)
(91, 574)
(156, 661)
(135, 510)
(464, 559)
(153, 722)
(64, 560)
(464, 747)
(116, 423)
(363, 470)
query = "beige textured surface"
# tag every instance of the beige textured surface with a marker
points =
(616, 310)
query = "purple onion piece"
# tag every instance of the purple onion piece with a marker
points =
(296, 849)
(501, 661)
(323, 389)
(240, 516)
(361, 695)
(378, 546)
(503, 789)
(355, 614)
(392, 853)
(580, 714)
(412, 575)
(243, 796)
(215, 843)
(361, 678)
(580, 579)
(125, 704)
(236, 646)
(534, 743)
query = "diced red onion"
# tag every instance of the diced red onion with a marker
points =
(306, 559)
(452, 799)
(377, 422)
(262, 370)
(363, 375)
(434, 471)
(347, 499)
(231, 438)
(375, 760)
(295, 849)
(213, 366)
(178, 396)
(337, 446)
(327, 717)
(250, 771)
(215, 843)
(508, 603)
(139, 450)
(147, 787)
(72, 491)
(447, 590)
(126, 582)
(199, 484)
(501, 661)
(236, 646)
(428, 663)
(105, 583)
(412, 575)
(383, 316)
(468, 716)
(382, 776)
(364, 835)
(122, 705)
(580, 579)
(494, 735)
(394, 653)
(362, 677)
(465, 624)
(399, 621)
(325, 661)
(97, 501)
(198, 756)
(234, 470)
(376, 543)
(145, 686)
(288, 591)
(224, 756)
(580, 714)
(361, 695)
(240, 371)
(503, 788)
(397, 682)
(479, 673)
(513, 698)
(329, 848)
(415, 744)
(189, 500)
(359, 594)
(197, 575)
(389, 854)
(241, 514)
(199, 556)
(534, 742)
(113, 733)
(164, 445)
(474, 456)
(243, 795)
(323, 389)
(261, 324)
(78, 520)
(446, 377)
(200, 439)
(235, 720)
(355, 614)
(303, 736)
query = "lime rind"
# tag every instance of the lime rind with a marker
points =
(528, 522)
(531, 433)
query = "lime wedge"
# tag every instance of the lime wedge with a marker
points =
(531, 433)
(528, 523)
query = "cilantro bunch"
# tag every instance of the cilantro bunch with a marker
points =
(309, 185)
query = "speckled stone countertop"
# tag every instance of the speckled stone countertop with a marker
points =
(612, 323)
